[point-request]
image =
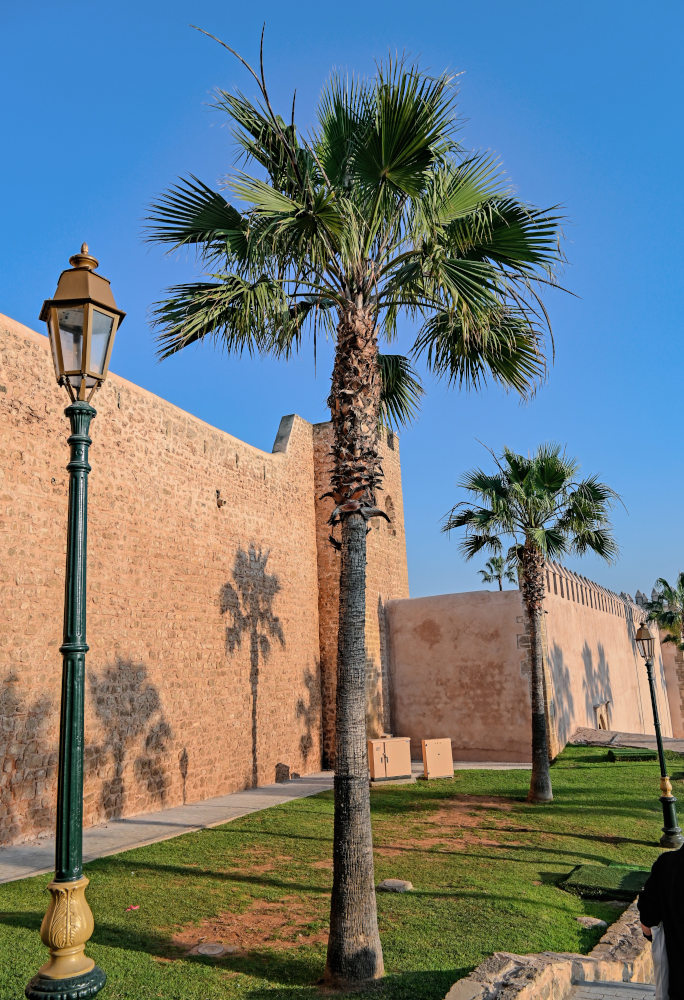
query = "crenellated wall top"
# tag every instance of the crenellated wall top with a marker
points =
(571, 586)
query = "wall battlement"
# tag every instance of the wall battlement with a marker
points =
(565, 583)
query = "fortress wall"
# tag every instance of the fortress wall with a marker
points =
(459, 666)
(592, 659)
(673, 662)
(386, 577)
(457, 670)
(203, 671)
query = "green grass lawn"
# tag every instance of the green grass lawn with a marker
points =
(484, 865)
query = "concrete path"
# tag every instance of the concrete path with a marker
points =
(606, 737)
(613, 991)
(23, 860)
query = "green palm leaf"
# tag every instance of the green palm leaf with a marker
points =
(401, 391)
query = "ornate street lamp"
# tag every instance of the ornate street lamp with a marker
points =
(82, 320)
(672, 835)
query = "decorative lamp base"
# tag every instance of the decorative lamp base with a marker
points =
(73, 988)
(672, 835)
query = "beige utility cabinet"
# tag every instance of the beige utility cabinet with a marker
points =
(389, 758)
(438, 760)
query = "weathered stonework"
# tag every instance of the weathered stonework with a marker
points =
(206, 579)
(622, 955)
(460, 666)
(386, 577)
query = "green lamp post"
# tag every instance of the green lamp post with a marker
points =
(672, 835)
(82, 319)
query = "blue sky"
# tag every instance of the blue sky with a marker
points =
(103, 106)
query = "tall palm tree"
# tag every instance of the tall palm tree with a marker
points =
(376, 214)
(667, 609)
(539, 503)
(497, 569)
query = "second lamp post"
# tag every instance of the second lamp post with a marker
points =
(672, 835)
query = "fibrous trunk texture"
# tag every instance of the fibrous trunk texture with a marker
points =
(532, 581)
(354, 403)
(354, 949)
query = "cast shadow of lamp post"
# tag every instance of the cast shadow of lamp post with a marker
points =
(249, 603)
(130, 713)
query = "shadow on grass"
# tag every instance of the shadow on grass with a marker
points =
(195, 872)
(290, 967)
(423, 985)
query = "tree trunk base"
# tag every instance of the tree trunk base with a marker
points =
(539, 799)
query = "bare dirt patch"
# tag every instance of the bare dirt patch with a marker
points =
(457, 825)
(285, 923)
(324, 865)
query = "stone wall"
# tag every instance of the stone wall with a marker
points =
(459, 666)
(673, 662)
(386, 576)
(203, 598)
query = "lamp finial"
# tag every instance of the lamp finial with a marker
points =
(84, 259)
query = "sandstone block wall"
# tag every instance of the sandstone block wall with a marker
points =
(459, 666)
(673, 663)
(204, 668)
(386, 577)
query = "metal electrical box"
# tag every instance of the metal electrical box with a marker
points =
(438, 760)
(389, 758)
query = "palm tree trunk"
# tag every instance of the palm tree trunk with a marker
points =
(354, 949)
(532, 581)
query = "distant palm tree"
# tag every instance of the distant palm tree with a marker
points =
(379, 213)
(540, 504)
(497, 569)
(667, 609)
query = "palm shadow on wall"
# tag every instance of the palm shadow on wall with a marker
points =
(596, 682)
(28, 750)
(131, 717)
(248, 602)
(564, 704)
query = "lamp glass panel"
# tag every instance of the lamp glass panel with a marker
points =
(71, 337)
(99, 340)
(53, 331)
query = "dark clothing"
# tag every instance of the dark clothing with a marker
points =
(662, 901)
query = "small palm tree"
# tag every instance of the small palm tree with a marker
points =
(378, 213)
(541, 505)
(497, 569)
(667, 609)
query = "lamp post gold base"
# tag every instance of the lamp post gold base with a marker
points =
(68, 924)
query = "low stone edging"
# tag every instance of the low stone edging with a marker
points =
(622, 955)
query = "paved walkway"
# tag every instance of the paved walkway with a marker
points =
(613, 991)
(607, 737)
(22, 860)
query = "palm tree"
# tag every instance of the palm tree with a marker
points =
(667, 609)
(541, 505)
(497, 569)
(378, 213)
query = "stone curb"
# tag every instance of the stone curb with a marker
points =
(622, 955)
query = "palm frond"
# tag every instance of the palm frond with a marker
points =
(238, 313)
(504, 349)
(401, 391)
(191, 213)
